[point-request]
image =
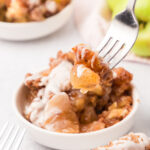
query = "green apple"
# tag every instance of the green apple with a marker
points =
(142, 45)
(120, 7)
(112, 4)
(142, 10)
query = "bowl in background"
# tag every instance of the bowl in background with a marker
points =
(35, 30)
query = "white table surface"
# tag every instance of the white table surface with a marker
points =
(18, 58)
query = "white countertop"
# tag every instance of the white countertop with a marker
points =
(18, 58)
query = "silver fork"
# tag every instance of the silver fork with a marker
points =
(120, 37)
(11, 137)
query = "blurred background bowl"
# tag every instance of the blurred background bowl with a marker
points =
(35, 30)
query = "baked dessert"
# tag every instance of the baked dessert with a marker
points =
(30, 10)
(132, 141)
(78, 93)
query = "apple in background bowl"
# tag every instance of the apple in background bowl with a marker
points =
(142, 11)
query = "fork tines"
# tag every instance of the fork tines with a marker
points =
(11, 137)
(110, 48)
(120, 37)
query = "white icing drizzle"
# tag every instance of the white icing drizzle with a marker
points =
(57, 82)
(126, 143)
(80, 70)
(83, 53)
(37, 76)
(33, 77)
(34, 2)
(114, 74)
(35, 108)
(43, 81)
(93, 60)
(59, 78)
(51, 6)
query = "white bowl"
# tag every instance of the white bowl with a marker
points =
(34, 30)
(65, 141)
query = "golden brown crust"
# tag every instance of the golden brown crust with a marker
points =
(132, 141)
(147, 147)
(94, 110)
(122, 82)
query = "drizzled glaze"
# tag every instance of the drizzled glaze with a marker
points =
(57, 82)
(74, 94)
(133, 141)
(80, 70)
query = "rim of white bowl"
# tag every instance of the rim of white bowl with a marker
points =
(28, 124)
(16, 24)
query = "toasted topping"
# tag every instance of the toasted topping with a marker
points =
(78, 93)
(132, 141)
(17, 11)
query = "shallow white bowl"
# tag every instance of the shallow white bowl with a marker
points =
(35, 30)
(65, 141)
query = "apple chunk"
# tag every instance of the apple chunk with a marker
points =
(59, 115)
(85, 79)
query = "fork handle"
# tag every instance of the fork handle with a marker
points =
(131, 5)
